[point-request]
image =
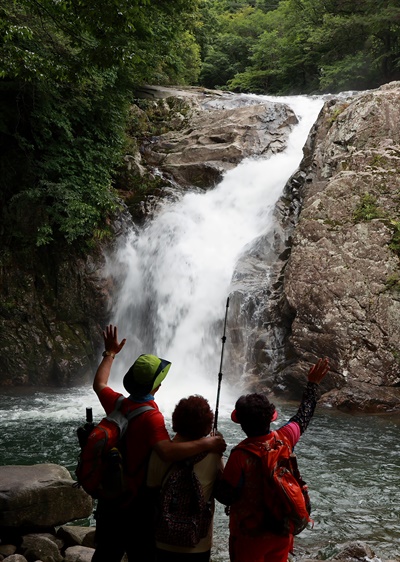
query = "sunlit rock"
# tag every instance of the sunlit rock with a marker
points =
(342, 281)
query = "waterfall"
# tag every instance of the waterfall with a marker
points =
(175, 274)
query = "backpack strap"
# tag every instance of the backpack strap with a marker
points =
(128, 417)
(122, 420)
(137, 411)
(117, 407)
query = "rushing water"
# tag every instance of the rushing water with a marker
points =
(351, 464)
(174, 278)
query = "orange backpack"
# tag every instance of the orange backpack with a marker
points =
(285, 494)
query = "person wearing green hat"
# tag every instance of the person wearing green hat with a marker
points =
(126, 525)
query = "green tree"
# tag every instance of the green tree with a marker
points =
(229, 53)
(283, 60)
(67, 73)
(324, 45)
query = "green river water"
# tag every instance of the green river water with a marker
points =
(351, 463)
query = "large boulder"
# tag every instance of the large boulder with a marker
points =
(41, 547)
(338, 294)
(74, 535)
(42, 495)
(78, 554)
(223, 129)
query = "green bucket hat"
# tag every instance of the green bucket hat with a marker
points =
(148, 371)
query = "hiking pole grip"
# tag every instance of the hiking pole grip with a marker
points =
(89, 415)
(220, 368)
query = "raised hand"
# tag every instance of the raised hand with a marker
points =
(110, 336)
(319, 370)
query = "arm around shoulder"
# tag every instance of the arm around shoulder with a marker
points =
(171, 451)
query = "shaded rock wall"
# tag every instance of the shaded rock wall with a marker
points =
(49, 318)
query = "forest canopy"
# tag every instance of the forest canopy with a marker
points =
(304, 46)
(69, 70)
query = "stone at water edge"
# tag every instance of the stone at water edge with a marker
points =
(42, 495)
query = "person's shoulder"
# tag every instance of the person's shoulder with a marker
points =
(151, 416)
(108, 392)
(108, 398)
(155, 411)
(291, 432)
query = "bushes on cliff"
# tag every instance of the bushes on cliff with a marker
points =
(67, 73)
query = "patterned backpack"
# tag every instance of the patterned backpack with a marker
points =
(184, 516)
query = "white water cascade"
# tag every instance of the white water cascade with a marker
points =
(175, 274)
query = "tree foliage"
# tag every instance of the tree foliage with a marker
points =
(303, 46)
(68, 69)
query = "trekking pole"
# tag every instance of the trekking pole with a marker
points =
(220, 368)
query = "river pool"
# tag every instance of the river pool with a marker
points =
(351, 463)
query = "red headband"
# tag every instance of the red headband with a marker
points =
(234, 416)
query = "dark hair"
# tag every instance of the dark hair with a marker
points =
(192, 417)
(254, 413)
(137, 390)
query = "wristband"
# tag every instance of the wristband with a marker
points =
(108, 354)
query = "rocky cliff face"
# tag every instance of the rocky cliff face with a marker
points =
(49, 319)
(53, 307)
(342, 282)
(338, 294)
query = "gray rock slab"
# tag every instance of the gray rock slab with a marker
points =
(41, 547)
(77, 536)
(41, 495)
(78, 554)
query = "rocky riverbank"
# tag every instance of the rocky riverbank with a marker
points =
(40, 508)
